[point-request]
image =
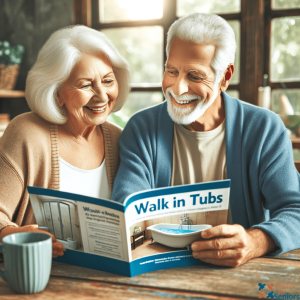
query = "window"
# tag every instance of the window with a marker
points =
(282, 61)
(185, 7)
(138, 29)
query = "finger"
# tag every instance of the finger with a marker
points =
(221, 230)
(216, 244)
(57, 246)
(217, 254)
(230, 262)
(47, 232)
(56, 253)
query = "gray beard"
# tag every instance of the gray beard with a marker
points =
(188, 115)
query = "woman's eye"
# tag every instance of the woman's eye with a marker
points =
(108, 82)
(86, 86)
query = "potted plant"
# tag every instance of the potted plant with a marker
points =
(10, 59)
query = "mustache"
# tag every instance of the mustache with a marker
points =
(184, 97)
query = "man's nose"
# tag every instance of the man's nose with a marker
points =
(181, 86)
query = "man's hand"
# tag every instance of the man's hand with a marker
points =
(232, 245)
(57, 248)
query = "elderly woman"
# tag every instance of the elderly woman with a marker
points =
(65, 143)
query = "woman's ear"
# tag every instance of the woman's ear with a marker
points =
(227, 77)
(60, 102)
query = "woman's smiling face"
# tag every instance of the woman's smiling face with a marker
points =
(90, 92)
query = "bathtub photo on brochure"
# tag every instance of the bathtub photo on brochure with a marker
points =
(173, 222)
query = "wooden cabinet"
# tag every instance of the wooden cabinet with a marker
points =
(137, 239)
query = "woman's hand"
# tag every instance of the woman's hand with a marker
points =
(57, 248)
(232, 245)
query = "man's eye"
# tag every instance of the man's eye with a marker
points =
(171, 72)
(86, 86)
(195, 77)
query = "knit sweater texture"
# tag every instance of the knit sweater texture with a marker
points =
(29, 156)
(265, 185)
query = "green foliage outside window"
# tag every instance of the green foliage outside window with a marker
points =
(285, 4)
(285, 49)
(203, 6)
(143, 49)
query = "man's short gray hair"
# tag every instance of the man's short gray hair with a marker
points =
(55, 61)
(207, 29)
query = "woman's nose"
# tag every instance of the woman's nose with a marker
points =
(100, 93)
(181, 86)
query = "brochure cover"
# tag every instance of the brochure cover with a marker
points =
(152, 230)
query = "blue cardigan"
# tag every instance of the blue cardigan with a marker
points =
(264, 191)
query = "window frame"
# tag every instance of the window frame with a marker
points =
(169, 16)
(254, 42)
(271, 14)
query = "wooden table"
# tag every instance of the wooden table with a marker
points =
(198, 282)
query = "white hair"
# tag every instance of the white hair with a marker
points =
(207, 29)
(55, 61)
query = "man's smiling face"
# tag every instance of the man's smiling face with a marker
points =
(188, 82)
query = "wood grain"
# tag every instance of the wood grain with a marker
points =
(198, 282)
(296, 142)
(251, 68)
(292, 255)
(234, 282)
(11, 94)
(64, 289)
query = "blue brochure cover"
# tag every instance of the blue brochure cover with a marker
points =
(153, 230)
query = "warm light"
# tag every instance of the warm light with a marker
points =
(142, 9)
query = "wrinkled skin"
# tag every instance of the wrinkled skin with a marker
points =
(231, 245)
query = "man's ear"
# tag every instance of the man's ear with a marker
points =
(226, 78)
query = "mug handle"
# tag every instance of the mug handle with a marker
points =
(2, 272)
(44, 228)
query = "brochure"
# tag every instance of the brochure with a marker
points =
(152, 230)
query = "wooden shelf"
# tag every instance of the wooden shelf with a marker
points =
(295, 142)
(11, 94)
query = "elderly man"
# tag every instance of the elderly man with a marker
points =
(201, 134)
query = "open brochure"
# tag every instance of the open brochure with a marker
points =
(152, 230)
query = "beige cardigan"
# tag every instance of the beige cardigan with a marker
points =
(29, 155)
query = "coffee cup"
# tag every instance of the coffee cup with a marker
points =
(27, 261)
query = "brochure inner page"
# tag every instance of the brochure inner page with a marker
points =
(102, 231)
(81, 223)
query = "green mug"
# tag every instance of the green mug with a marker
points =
(27, 261)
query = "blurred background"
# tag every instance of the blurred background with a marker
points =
(267, 34)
